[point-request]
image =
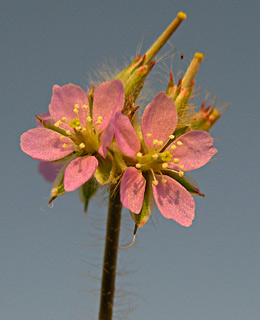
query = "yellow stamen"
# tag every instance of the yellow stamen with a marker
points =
(76, 106)
(84, 106)
(64, 146)
(68, 132)
(155, 141)
(139, 155)
(176, 160)
(155, 156)
(181, 166)
(76, 111)
(99, 120)
(165, 165)
(89, 119)
(138, 166)
(149, 135)
(64, 119)
(160, 143)
(173, 147)
(181, 173)
(62, 137)
(164, 180)
(82, 145)
(57, 124)
(179, 143)
(171, 136)
(155, 182)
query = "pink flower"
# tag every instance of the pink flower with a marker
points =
(158, 162)
(75, 130)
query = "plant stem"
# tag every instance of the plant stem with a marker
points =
(110, 256)
(164, 37)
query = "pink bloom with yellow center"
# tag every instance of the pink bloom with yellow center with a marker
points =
(76, 132)
(156, 157)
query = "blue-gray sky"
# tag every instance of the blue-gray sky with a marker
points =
(51, 260)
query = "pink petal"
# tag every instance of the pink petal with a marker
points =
(63, 102)
(174, 201)
(109, 98)
(106, 139)
(132, 190)
(49, 170)
(45, 145)
(196, 150)
(126, 137)
(78, 172)
(160, 119)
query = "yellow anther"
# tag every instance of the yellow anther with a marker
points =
(181, 166)
(164, 180)
(166, 156)
(179, 143)
(181, 173)
(64, 119)
(76, 110)
(76, 106)
(68, 132)
(78, 128)
(62, 137)
(173, 147)
(64, 146)
(89, 119)
(139, 155)
(160, 143)
(165, 165)
(83, 130)
(149, 135)
(155, 183)
(57, 124)
(176, 160)
(155, 141)
(82, 145)
(171, 136)
(84, 106)
(155, 156)
(100, 118)
(138, 166)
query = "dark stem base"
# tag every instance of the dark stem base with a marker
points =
(110, 257)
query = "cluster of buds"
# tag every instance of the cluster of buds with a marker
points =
(96, 138)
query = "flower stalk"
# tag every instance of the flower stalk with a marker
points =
(110, 256)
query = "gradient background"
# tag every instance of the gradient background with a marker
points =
(51, 260)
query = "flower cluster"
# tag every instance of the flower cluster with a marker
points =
(95, 138)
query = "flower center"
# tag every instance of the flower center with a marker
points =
(84, 137)
(157, 160)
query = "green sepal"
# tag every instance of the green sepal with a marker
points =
(144, 215)
(105, 170)
(90, 101)
(180, 130)
(87, 191)
(58, 187)
(47, 125)
(186, 181)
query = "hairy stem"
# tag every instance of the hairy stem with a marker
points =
(110, 256)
